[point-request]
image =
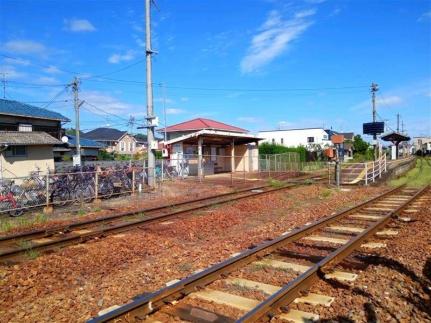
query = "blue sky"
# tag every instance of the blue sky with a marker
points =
(257, 64)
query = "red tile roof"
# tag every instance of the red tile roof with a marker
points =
(201, 124)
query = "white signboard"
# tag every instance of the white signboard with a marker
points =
(76, 160)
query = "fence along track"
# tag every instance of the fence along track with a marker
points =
(15, 245)
(141, 306)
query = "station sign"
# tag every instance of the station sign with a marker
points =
(373, 128)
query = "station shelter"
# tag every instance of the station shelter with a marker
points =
(209, 147)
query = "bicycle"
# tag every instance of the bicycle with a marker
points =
(8, 203)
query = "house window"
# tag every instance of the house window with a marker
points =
(325, 137)
(25, 127)
(282, 141)
(16, 151)
(122, 146)
(310, 140)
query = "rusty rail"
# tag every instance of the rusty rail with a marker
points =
(148, 303)
(165, 210)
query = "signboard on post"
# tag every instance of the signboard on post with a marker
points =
(76, 160)
(373, 128)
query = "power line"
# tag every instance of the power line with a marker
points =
(104, 112)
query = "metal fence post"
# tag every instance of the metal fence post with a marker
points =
(47, 191)
(374, 169)
(133, 181)
(366, 173)
(96, 188)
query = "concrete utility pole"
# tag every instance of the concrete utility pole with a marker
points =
(150, 112)
(374, 89)
(77, 105)
(4, 84)
(398, 122)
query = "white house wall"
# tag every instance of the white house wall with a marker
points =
(294, 138)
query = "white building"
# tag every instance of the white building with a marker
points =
(422, 143)
(307, 137)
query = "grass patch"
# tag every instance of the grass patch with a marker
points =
(6, 226)
(96, 209)
(326, 193)
(81, 212)
(185, 267)
(40, 218)
(32, 254)
(275, 183)
(25, 244)
(416, 177)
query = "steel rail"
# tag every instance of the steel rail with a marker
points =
(146, 304)
(50, 231)
(125, 226)
(292, 290)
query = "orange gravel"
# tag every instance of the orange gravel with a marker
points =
(75, 283)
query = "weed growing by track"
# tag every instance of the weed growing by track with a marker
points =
(416, 177)
(8, 225)
(275, 183)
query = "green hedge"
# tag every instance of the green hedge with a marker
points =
(273, 149)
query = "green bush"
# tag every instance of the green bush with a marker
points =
(273, 149)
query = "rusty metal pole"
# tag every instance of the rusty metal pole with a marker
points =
(133, 181)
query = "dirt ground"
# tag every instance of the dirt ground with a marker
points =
(75, 283)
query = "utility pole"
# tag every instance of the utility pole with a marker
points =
(374, 89)
(77, 105)
(398, 122)
(150, 109)
(4, 84)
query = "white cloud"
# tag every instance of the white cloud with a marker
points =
(107, 103)
(47, 80)
(16, 61)
(425, 16)
(284, 124)
(52, 70)
(381, 102)
(249, 119)
(164, 100)
(79, 25)
(118, 58)
(11, 72)
(390, 100)
(24, 47)
(274, 37)
(184, 99)
(174, 111)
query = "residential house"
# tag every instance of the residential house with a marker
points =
(307, 137)
(27, 136)
(422, 144)
(22, 152)
(18, 116)
(114, 140)
(211, 146)
(347, 149)
(89, 149)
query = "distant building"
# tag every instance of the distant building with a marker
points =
(422, 144)
(348, 145)
(115, 140)
(18, 116)
(210, 145)
(307, 137)
(24, 152)
(27, 136)
(89, 149)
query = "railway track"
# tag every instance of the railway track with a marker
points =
(260, 283)
(13, 247)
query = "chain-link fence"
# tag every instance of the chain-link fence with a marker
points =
(74, 186)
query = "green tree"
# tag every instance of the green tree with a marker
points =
(359, 145)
